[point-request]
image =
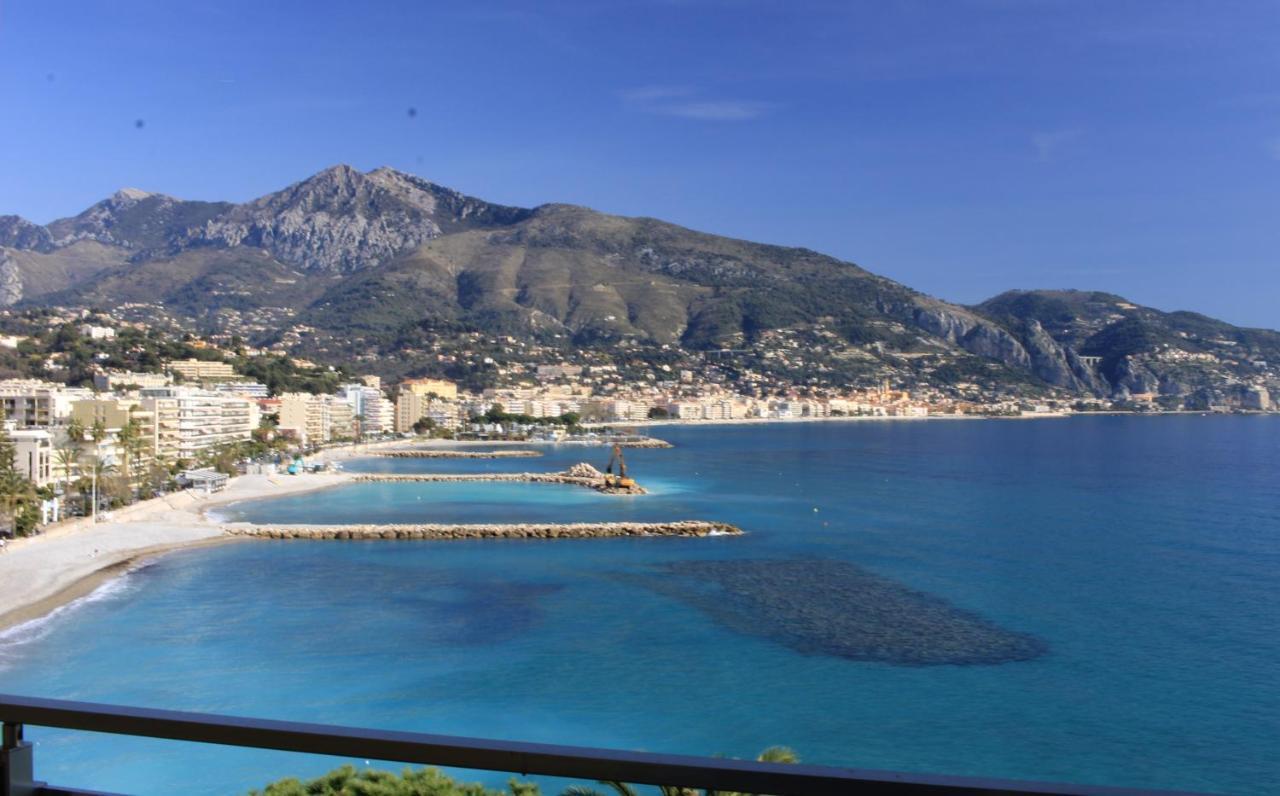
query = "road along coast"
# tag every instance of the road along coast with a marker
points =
(436, 531)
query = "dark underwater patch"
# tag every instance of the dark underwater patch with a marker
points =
(486, 613)
(836, 608)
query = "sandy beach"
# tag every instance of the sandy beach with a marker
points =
(71, 559)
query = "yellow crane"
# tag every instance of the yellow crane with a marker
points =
(620, 480)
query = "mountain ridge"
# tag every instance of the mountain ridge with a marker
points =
(379, 259)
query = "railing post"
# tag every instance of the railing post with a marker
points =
(17, 766)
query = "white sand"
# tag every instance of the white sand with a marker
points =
(40, 573)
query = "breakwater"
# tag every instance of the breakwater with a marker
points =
(578, 475)
(434, 454)
(621, 442)
(640, 442)
(436, 531)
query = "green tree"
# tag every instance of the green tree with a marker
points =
(17, 492)
(348, 781)
(67, 458)
(774, 754)
(98, 471)
(75, 433)
(132, 444)
(423, 425)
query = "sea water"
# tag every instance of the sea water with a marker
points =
(1114, 581)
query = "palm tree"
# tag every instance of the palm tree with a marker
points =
(774, 754)
(75, 433)
(132, 445)
(99, 467)
(67, 458)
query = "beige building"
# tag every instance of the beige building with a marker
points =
(442, 388)
(410, 407)
(317, 419)
(106, 381)
(30, 403)
(201, 370)
(114, 415)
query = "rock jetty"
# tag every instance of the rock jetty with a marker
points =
(577, 530)
(640, 442)
(450, 454)
(581, 474)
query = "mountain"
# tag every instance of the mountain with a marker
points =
(1135, 349)
(380, 263)
(341, 220)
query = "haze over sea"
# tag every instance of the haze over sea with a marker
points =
(1121, 576)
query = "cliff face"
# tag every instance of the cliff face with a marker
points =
(1024, 347)
(1135, 350)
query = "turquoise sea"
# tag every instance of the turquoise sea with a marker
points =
(1092, 600)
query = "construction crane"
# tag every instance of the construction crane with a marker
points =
(620, 481)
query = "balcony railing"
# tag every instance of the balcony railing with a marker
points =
(17, 762)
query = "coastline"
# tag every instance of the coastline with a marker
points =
(71, 560)
(74, 558)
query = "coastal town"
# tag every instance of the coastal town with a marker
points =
(102, 411)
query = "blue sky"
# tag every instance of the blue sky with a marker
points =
(963, 147)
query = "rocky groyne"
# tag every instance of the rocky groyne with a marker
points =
(581, 474)
(450, 454)
(640, 442)
(435, 531)
(621, 442)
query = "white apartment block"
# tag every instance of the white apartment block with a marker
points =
(629, 410)
(30, 403)
(97, 332)
(245, 389)
(368, 402)
(444, 414)
(204, 419)
(33, 454)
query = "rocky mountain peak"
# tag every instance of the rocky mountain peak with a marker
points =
(125, 195)
(341, 219)
(18, 233)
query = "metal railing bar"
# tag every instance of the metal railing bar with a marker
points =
(510, 756)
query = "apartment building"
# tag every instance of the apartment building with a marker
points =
(33, 454)
(245, 389)
(30, 403)
(316, 419)
(411, 407)
(111, 380)
(97, 332)
(629, 410)
(201, 370)
(114, 414)
(442, 388)
(203, 419)
(368, 402)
